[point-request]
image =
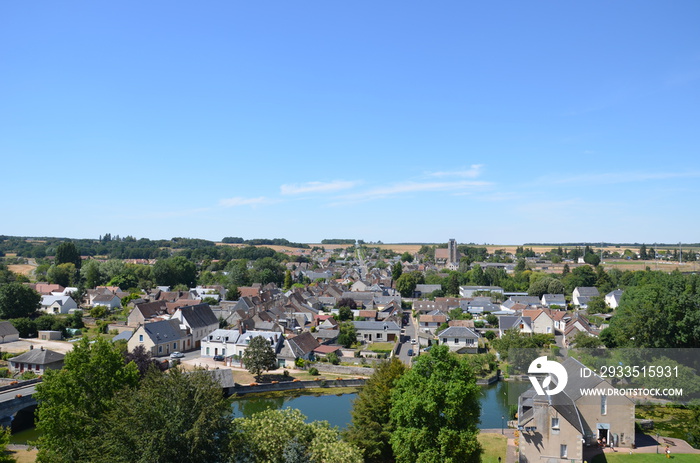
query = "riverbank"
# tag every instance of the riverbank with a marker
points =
(315, 391)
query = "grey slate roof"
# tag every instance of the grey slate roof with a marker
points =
(199, 316)
(7, 329)
(507, 322)
(377, 326)
(39, 357)
(459, 332)
(163, 331)
(125, 335)
(588, 291)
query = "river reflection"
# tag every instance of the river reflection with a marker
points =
(496, 402)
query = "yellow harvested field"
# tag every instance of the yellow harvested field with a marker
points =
(24, 269)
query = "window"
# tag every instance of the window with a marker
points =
(379, 335)
(160, 349)
(456, 340)
(140, 338)
(555, 423)
(603, 405)
(562, 451)
(174, 346)
(207, 351)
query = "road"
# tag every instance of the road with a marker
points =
(25, 391)
(406, 342)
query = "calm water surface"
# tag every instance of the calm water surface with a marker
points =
(336, 408)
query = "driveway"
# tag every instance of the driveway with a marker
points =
(24, 345)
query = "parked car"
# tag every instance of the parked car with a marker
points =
(177, 355)
(219, 358)
(410, 352)
(413, 341)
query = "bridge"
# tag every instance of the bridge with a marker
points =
(16, 398)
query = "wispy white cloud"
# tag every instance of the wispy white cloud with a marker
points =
(611, 178)
(474, 171)
(316, 187)
(410, 187)
(240, 201)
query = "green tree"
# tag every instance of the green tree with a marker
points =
(74, 400)
(347, 334)
(344, 313)
(5, 433)
(259, 356)
(63, 274)
(92, 274)
(478, 276)
(268, 435)
(406, 285)
(584, 341)
(287, 279)
(175, 416)
(453, 284)
(370, 428)
(25, 326)
(396, 271)
(67, 253)
(174, 271)
(592, 259)
(406, 257)
(435, 411)
(18, 300)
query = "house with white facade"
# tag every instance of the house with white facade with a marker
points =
(582, 294)
(460, 339)
(57, 304)
(612, 299)
(373, 331)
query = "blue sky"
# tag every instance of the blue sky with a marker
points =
(400, 121)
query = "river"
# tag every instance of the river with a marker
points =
(336, 408)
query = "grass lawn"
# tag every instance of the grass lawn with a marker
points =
(494, 446)
(645, 458)
(381, 346)
(669, 422)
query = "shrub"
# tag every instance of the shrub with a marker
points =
(286, 373)
(27, 375)
(300, 362)
(313, 371)
(4, 373)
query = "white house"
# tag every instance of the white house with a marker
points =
(110, 301)
(232, 342)
(514, 322)
(57, 304)
(612, 299)
(460, 339)
(549, 300)
(583, 294)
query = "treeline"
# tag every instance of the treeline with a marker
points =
(338, 241)
(606, 244)
(131, 248)
(264, 242)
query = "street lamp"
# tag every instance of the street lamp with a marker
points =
(502, 418)
(657, 442)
